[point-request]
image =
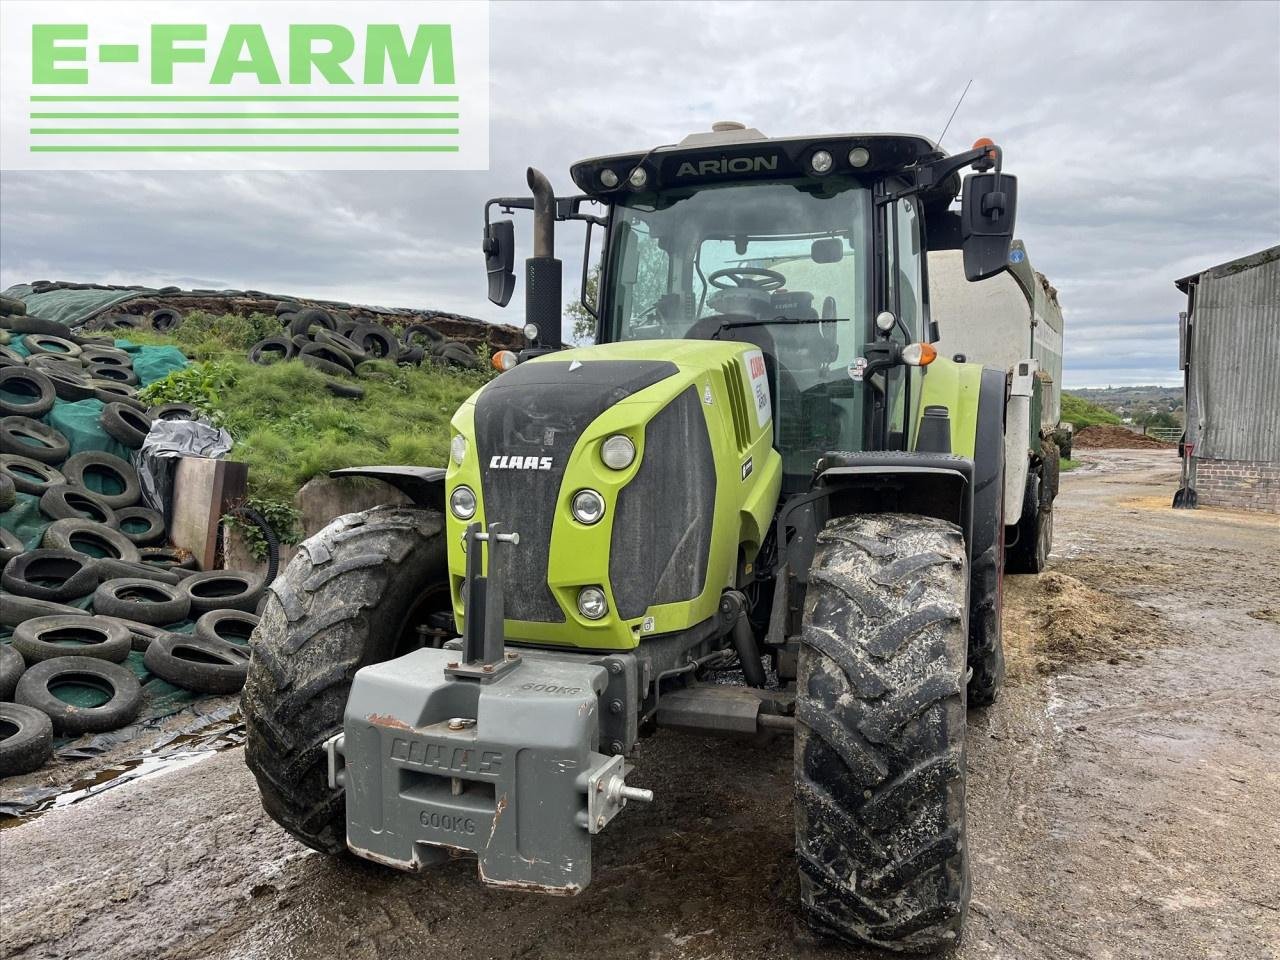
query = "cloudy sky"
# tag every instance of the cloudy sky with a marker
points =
(1146, 138)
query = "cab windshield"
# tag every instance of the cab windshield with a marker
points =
(786, 266)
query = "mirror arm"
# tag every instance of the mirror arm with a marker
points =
(586, 266)
(566, 208)
(933, 173)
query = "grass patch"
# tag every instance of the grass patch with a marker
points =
(285, 423)
(1068, 464)
(1082, 413)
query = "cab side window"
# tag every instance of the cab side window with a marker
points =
(906, 254)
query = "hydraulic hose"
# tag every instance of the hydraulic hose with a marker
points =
(744, 641)
(247, 512)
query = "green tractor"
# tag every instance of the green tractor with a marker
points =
(761, 466)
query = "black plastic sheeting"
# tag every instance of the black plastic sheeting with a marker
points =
(166, 441)
(215, 725)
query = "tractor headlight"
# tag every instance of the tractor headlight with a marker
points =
(609, 178)
(821, 162)
(587, 506)
(458, 449)
(859, 156)
(592, 603)
(638, 177)
(462, 502)
(618, 452)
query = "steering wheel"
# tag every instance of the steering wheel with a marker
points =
(746, 278)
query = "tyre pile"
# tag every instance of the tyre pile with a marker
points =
(101, 550)
(331, 342)
(161, 320)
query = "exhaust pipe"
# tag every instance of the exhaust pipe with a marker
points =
(543, 271)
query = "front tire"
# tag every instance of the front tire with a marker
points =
(350, 597)
(879, 753)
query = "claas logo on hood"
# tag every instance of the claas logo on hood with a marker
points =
(501, 462)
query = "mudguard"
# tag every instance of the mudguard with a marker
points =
(423, 485)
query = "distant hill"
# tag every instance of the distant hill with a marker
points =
(1136, 404)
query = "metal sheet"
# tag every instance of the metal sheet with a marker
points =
(1234, 382)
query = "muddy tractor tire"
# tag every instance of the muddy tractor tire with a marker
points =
(879, 751)
(350, 597)
(1029, 553)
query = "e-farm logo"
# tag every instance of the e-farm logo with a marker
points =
(143, 84)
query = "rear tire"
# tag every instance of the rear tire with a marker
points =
(350, 597)
(1030, 552)
(879, 754)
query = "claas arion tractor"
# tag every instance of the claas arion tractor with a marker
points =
(761, 469)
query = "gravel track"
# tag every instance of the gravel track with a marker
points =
(1124, 800)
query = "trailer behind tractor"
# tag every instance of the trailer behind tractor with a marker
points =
(1013, 322)
(763, 465)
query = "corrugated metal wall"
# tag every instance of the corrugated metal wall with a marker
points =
(1235, 361)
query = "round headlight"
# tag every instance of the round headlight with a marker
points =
(885, 321)
(531, 331)
(821, 162)
(618, 452)
(638, 178)
(592, 603)
(462, 502)
(608, 178)
(859, 156)
(458, 449)
(587, 506)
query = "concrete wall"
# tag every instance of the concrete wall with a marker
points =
(1242, 484)
(319, 501)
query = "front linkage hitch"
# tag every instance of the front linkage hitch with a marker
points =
(493, 753)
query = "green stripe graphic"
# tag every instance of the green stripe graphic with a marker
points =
(189, 131)
(231, 148)
(243, 116)
(243, 99)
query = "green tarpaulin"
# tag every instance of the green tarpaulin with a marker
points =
(72, 307)
(79, 423)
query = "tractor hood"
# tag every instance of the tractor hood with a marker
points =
(534, 440)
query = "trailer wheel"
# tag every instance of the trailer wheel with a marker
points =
(879, 754)
(350, 597)
(1029, 553)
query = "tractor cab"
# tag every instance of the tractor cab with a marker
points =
(813, 249)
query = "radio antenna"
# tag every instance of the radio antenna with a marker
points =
(953, 111)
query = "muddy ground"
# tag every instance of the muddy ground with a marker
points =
(1124, 800)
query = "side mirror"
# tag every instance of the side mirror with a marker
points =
(828, 250)
(500, 259)
(988, 207)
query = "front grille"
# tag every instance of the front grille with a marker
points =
(662, 528)
(537, 411)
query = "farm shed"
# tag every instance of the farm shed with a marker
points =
(1230, 356)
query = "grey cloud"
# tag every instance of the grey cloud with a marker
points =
(1146, 138)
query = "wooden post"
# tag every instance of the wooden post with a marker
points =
(202, 490)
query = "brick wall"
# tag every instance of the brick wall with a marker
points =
(1243, 484)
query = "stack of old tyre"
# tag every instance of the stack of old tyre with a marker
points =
(333, 343)
(100, 587)
(162, 319)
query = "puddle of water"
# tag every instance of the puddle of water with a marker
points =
(176, 751)
(127, 772)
